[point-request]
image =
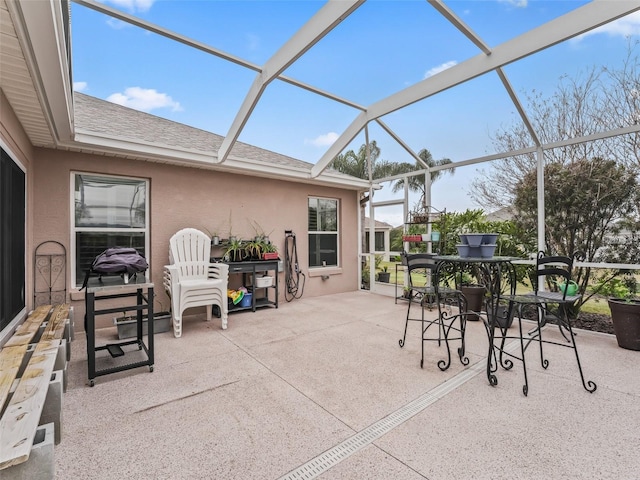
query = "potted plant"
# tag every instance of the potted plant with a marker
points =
(365, 277)
(215, 238)
(269, 251)
(625, 314)
(384, 275)
(474, 292)
(254, 249)
(235, 251)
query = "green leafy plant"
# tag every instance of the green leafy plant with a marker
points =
(268, 247)
(235, 251)
(624, 288)
(254, 249)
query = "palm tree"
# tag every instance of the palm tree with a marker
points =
(355, 164)
(416, 183)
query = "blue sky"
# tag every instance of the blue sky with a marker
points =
(382, 48)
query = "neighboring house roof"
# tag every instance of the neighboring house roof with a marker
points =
(379, 225)
(505, 213)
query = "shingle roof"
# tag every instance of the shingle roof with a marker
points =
(107, 118)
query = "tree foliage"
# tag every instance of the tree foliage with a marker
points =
(583, 202)
(598, 100)
(586, 202)
(355, 163)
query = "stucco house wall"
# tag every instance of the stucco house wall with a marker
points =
(179, 197)
(187, 197)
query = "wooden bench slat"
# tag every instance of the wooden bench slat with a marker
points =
(57, 320)
(21, 418)
(25, 332)
(10, 361)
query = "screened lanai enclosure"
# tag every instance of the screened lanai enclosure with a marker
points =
(515, 129)
(434, 104)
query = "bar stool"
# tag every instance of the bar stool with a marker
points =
(554, 270)
(431, 295)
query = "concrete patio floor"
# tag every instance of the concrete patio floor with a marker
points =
(320, 387)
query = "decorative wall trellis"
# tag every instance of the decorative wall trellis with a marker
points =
(49, 274)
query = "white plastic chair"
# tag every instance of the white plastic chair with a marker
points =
(192, 280)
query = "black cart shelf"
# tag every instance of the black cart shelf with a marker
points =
(114, 288)
(251, 271)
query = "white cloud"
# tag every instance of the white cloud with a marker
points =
(253, 41)
(623, 27)
(144, 99)
(132, 5)
(431, 72)
(79, 86)
(516, 3)
(117, 24)
(323, 140)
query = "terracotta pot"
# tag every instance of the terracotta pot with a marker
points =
(625, 315)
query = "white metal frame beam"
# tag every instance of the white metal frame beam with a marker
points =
(574, 23)
(203, 47)
(325, 20)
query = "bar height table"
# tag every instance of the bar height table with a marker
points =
(493, 271)
(114, 288)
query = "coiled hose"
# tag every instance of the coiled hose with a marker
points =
(292, 273)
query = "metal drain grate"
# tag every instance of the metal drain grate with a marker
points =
(335, 455)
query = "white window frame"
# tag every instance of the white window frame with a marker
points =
(336, 233)
(75, 281)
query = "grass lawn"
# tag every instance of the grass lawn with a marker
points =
(593, 305)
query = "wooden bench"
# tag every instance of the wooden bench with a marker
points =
(24, 384)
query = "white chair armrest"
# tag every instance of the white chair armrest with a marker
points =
(219, 270)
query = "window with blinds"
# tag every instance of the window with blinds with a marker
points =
(108, 212)
(378, 238)
(323, 232)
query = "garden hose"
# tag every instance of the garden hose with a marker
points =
(292, 268)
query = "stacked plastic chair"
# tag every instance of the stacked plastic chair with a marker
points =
(192, 280)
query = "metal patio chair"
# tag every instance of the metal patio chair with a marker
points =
(431, 295)
(549, 304)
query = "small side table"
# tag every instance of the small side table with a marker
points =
(109, 288)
